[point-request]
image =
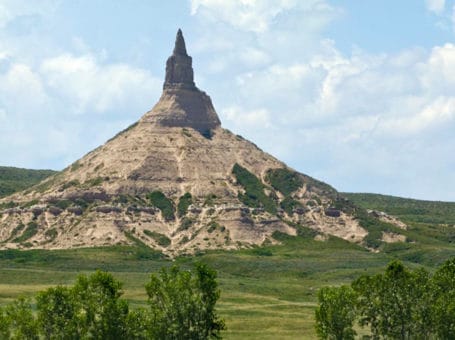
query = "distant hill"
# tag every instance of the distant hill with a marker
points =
(17, 179)
(408, 210)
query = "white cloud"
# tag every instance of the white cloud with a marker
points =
(12, 9)
(87, 85)
(362, 116)
(248, 15)
(256, 119)
(436, 6)
(54, 112)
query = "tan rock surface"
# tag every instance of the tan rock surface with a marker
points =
(176, 148)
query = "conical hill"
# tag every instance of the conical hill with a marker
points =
(176, 181)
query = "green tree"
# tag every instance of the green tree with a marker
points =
(101, 312)
(444, 306)
(5, 324)
(22, 323)
(57, 313)
(182, 303)
(396, 304)
(336, 313)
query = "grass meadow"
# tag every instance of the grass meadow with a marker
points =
(266, 293)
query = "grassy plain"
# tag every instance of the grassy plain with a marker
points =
(267, 293)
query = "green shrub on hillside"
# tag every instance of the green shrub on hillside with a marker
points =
(284, 180)
(289, 204)
(254, 195)
(184, 202)
(161, 239)
(159, 200)
(30, 231)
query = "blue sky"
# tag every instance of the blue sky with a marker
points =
(360, 94)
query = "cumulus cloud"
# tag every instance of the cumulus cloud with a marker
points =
(87, 85)
(13, 9)
(249, 15)
(436, 6)
(362, 122)
(50, 112)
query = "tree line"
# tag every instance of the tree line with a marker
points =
(398, 304)
(181, 305)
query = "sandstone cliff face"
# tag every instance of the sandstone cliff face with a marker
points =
(178, 182)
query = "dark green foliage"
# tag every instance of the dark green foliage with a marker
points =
(335, 314)
(184, 202)
(72, 183)
(141, 250)
(5, 325)
(182, 306)
(399, 304)
(20, 322)
(30, 231)
(63, 204)
(57, 316)
(387, 302)
(101, 313)
(159, 200)
(213, 226)
(8, 205)
(16, 231)
(93, 182)
(182, 303)
(262, 252)
(254, 195)
(185, 224)
(289, 204)
(444, 304)
(161, 239)
(284, 180)
(15, 179)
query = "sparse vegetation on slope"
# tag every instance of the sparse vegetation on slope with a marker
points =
(284, 180)
(16, 179)
(254, 195)
(184, 202)
(160, 239)
(29, 232)
(159, 200)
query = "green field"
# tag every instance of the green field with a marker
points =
(266, 293)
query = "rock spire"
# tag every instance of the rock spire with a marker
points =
(182, 104)
(179, 69)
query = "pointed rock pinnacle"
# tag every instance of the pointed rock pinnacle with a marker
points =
(182, 104)
(180, 47)
(179, 69)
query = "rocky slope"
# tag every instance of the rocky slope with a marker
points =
(176, 181)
